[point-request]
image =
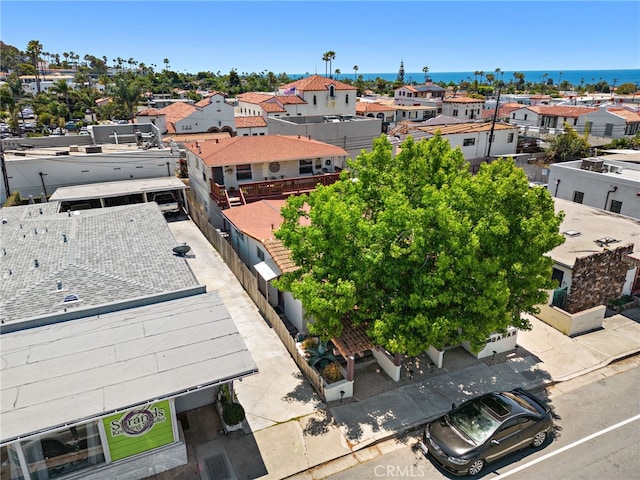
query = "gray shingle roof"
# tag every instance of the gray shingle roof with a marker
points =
(110, 255)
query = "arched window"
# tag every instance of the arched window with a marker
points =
(315, 100)
(332, 92)
(347, 99)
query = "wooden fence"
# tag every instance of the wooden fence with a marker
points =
(250, 283)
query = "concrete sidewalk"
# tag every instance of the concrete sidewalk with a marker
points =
(289, 430)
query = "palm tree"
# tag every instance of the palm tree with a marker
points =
(66, 59)
(355, 72)
(325, 59)
(499, 72)
(128, 93)
(271, 79)
(425, 70)
(34, 49)
(332, 56)
(166, 63)
(62, 87)
(337, 72)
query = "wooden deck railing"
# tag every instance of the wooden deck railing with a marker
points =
(274, 189)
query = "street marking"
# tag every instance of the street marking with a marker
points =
(567, 447)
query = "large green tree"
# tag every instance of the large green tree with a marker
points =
(419, 250)
(568, 145)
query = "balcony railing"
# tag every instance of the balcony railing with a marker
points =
(269, 189)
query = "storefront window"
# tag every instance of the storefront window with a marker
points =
(9, 464)
(56, 454)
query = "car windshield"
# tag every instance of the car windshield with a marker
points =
(474, 421)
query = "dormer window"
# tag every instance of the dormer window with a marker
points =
(332, 92)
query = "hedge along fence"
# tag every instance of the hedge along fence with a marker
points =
(250, 284)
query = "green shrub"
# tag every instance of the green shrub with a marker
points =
(332, 373)
(232, 413)
(308, 343)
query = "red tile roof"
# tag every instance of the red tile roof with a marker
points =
(249, 122)
(177, 111)
(254, 97)
(257, 219)
(369, 107)
(315, 83)
(561, 110)
(280, 255)
(462, 100)
(260, 219)
(290, 100)
(466, 128)
(270, 103)
(505, 110)
(628, 115)
(194, 137)
(149, 112)
(259, 149)
(272, 107)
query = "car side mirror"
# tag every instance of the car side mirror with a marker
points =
(495, 442)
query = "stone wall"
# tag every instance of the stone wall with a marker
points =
(598, 279)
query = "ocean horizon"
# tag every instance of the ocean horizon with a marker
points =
(575, 77)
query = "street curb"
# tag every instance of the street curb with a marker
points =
(598, 366)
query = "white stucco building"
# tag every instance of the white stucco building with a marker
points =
(471, 138)
(463, 108)
(310, 96)
(611, 185)
(212, 114)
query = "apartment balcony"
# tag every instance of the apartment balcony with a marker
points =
(269, 189)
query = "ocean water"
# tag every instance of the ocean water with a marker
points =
(575, 77)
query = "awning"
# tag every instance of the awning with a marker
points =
(265, 271)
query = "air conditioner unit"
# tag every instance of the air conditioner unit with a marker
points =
(615, 169)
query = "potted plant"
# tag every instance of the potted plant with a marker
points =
(231, 412)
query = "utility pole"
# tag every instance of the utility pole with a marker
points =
(493, 124)
(5, 175)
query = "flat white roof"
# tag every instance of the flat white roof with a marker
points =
(115, 189)
(583, 225)
(73, 371)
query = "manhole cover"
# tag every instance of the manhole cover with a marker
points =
(217, 467)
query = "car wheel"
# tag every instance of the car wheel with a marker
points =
(539, 439)
(476, 467)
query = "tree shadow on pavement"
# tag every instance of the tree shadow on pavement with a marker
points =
(319, 424)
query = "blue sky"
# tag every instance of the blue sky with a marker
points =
(291, 36)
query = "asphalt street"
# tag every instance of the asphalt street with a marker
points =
(596, 436)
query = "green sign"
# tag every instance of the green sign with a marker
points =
(139, 430)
